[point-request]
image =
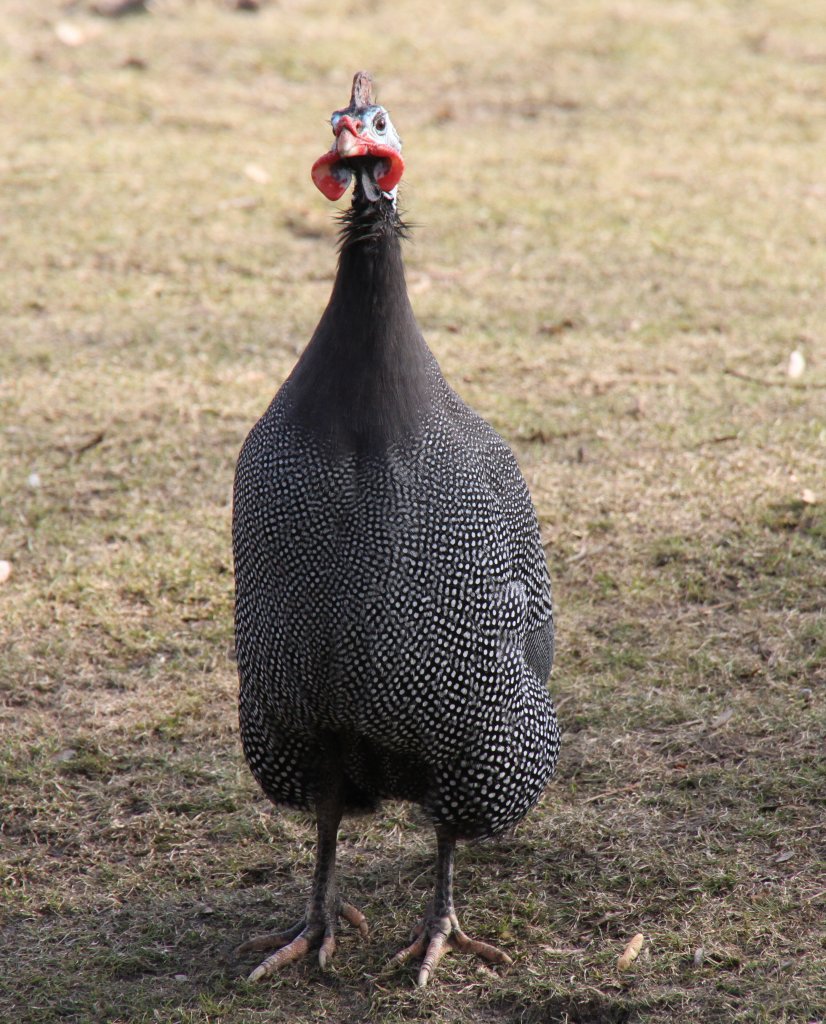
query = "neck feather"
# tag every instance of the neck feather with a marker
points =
(363, 379)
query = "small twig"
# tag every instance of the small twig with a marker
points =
(610, 792)
(794, 385)
(715, 440)
(584, 552)
(688, 724)
(93, 442)
(72, 451)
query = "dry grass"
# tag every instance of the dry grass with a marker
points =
(618, 202)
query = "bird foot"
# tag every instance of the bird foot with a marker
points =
(434, 935)
(314, 930)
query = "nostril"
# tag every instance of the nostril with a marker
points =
(351, 124)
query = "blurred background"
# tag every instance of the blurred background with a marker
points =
(619, 211)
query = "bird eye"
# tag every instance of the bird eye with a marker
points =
(380, 123)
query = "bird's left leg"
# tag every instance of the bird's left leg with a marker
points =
(440, 926)
(317, 928)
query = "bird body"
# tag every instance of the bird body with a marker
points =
(393, 610)
(397, 594)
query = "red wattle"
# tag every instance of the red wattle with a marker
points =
(331, 185)
(387, 182)
(332, 179)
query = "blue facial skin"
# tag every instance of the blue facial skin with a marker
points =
(373, 122)
(388, 136)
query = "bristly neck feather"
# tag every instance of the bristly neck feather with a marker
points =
(363, 380)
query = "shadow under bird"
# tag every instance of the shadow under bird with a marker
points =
(393, 609)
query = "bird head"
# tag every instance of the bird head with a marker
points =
(366, 145)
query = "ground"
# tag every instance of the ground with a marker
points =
(619, 211)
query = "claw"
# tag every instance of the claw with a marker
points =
(355, 917)
(328, 947)
(435, 936)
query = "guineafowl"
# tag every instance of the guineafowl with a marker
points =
(393, 613)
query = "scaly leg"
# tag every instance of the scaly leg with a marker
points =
(440, 927)
(317, 928)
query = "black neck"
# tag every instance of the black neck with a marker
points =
(362, 380)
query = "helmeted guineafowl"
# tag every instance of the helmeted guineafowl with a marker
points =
(393, 610)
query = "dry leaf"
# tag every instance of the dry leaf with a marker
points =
(808, 497)
(631, 952)
(5, 570)
(256, 173)
(69, 34)
(796, 364)
(557, 326)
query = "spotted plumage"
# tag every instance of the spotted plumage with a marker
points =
(398, 601)
(393, 612)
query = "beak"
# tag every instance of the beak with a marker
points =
(348, 145)
(330, 174)
(348, 142)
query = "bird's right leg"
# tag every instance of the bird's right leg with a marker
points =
(440, 928)
(317, 927)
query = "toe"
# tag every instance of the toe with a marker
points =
(484, 950)
(287, 955)
(355, 918)
(416, 948)
(435, 951)
(272, 940)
